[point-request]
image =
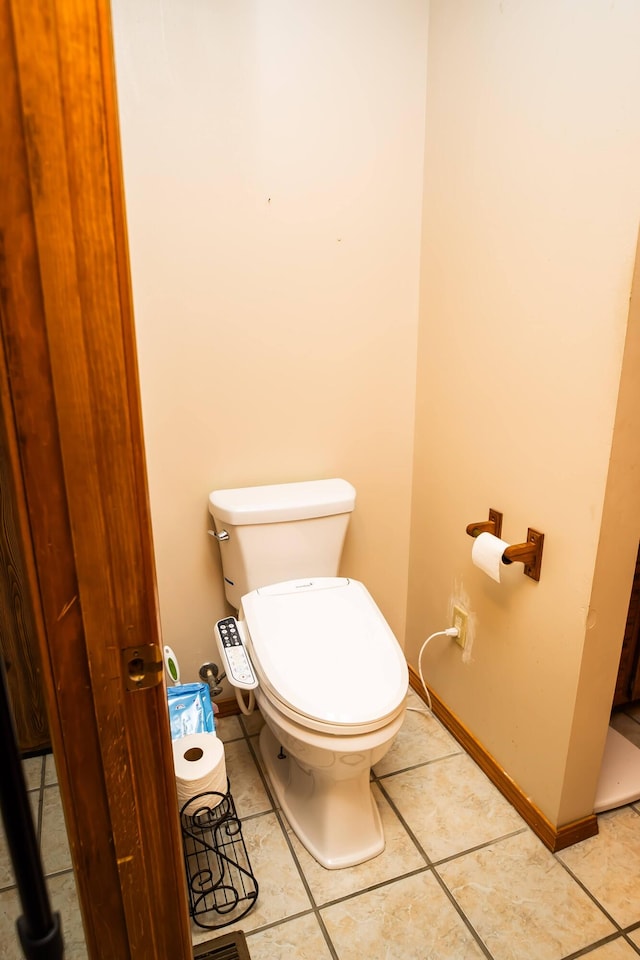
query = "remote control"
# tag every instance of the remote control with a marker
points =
(234, 654)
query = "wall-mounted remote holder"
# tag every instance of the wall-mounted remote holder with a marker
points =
(237, 664)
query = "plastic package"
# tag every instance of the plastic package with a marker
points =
(190, 709)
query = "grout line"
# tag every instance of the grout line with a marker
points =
(619, 933)
(406, 826)
(454, 856)
(633, 945)
(280, 818)
(58, 873)
(437, 876)
(416, 766)
(428, 867)
(588, 892)
(378, 886)
(586, 951)
(277, 923)
(465, 919)
(35, 816)
(39, 818)
(482, 846)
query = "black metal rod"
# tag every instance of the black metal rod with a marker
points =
(39, 930)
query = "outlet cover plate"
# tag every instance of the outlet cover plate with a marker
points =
(460, 620)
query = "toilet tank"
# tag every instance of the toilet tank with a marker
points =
(280, 532)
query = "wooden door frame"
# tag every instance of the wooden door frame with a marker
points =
(70, 403)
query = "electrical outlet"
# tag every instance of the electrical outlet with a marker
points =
(460, 618)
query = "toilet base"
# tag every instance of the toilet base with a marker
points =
(337, 820)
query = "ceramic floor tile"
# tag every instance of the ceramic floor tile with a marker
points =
(399, 857)
(228, 728)
(247, 788)
(421, 738)
(410, 919)
(281, 893)
(252, 724)
(50, 771)
(6, 871)
(451, 806)
(299, 939)
(634, 936)
(32, 769)
(522, 902)
(609, 864)
(64, 899)
(54, 845)
(62, 894)
(9, 912)
(616, 950)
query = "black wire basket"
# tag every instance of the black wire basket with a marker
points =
(221, 884)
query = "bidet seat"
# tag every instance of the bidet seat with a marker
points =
(324, 653)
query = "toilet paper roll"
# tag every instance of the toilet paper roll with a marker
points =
(199, 766)
(486, 554)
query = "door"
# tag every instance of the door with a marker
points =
(74, 447)
(628, 679)
(18, 632)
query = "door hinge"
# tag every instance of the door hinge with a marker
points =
(142, 666)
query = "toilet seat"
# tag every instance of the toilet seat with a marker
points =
(325, 655)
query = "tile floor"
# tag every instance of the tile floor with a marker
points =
(44, 794)
(462, 876)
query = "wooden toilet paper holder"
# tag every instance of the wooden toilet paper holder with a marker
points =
(492, 525)
(528, 553)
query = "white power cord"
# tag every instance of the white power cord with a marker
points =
(449, 632)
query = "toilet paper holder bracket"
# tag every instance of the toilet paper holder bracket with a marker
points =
(529, 553)
(492, 525)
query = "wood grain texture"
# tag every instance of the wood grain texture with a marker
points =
(553, 837)
(18, 632)
(71, 387)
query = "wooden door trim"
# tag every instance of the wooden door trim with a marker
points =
(18, 629)
(70, 398)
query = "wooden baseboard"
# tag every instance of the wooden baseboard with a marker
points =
(227, 708)
(555, 838)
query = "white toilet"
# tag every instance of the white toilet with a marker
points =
(332, 678)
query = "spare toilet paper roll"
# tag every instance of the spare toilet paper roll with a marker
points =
(198, 762)
(486, 554)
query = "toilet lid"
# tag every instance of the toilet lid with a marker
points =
(325, 650)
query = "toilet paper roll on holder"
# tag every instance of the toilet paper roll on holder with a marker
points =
(529, 553)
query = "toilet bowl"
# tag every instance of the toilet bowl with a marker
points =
(332, 684)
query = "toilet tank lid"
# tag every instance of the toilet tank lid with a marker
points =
(282, 501)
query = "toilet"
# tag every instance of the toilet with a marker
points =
(332, 678)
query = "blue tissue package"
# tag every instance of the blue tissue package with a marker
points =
(190, 709)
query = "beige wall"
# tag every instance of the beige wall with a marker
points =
(273, 165)
(273, 168)
(532, 197)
